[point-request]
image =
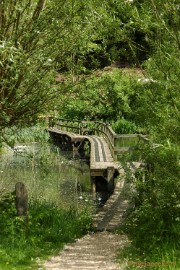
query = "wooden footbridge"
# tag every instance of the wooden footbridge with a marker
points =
(97, 142)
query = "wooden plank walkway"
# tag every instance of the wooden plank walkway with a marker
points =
(97, 250)
(101, 160)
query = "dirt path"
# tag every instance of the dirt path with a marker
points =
(98, 250)
(93, 251)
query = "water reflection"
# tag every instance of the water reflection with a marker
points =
(48, 175)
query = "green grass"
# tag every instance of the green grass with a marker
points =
(49, 228)
(164, 256)
(53, 221)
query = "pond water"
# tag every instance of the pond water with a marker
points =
(48, 175)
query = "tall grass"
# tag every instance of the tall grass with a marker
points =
(55, 216)
(49, 228)
(164, 256)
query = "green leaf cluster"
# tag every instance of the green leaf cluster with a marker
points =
(155, 197)
(106, 97)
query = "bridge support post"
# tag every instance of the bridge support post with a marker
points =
(110, 179)
(76, 149)
(93, 184)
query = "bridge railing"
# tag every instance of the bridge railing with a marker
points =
(74, 126)
(118, 143)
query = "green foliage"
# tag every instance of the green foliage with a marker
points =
(14, 135)
(124, 126)
(163, 256)
(48, 229)
(156, 194)
(125, 36)
(57, 225)
(152, 221)
(105, 97)
(8, 212)
(156, 105)
(26, 64)
(37, 38)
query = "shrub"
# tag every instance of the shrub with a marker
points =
(156, 198)
(124, 126)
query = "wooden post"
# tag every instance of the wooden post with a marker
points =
(93, 186)
(110, 179)
(21, 200)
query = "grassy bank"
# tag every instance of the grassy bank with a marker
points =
(49, 228)
(164, 255)
(55, 217)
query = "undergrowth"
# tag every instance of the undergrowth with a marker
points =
(152, 220)
(15, 135)
(49, 228)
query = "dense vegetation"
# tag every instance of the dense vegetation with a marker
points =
(49, 228)
(76, 38)
(56, 215)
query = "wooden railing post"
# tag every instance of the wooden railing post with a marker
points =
(21, 201)
(50, 121)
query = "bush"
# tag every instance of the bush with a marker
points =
(124, 126)
(156, 198)
(106, 97)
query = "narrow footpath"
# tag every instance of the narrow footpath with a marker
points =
(96, 251)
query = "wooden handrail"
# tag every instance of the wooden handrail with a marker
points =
(118, 143)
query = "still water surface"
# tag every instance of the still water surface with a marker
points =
(47, 173)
